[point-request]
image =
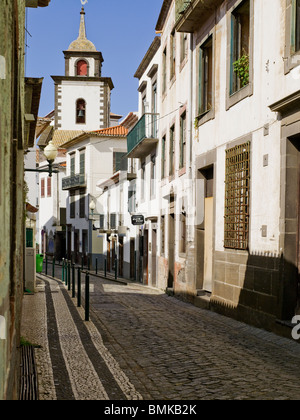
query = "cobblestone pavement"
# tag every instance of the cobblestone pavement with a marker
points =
(143, 344)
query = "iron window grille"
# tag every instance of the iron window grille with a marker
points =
(237, 197)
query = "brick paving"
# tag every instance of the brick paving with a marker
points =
(142, 344)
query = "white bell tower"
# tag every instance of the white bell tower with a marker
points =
(82, 95)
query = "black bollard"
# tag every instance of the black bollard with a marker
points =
(73, 280)
(78, 287)
(87, 297)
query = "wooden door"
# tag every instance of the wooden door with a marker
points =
(145, 258)
(121, 256)
(132, 258)
(154, 245)
(171, 244)
(208, 244)
(108, 255)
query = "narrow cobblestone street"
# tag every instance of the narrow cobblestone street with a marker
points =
(143, 344)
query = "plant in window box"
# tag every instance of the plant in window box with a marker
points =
(241, 68)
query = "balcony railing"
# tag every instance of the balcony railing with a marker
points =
(191, 14)
(74, 181)
(180, 7)
(143, 137)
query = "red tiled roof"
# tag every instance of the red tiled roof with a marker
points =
(118, 130)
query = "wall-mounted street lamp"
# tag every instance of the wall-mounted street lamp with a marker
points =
(50, 153)
(92, 207)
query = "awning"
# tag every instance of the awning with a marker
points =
(31, 208)
(33, 88)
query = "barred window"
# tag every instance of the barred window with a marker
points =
(237, 197)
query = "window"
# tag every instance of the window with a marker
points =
(205, 100)
(72, 205)
(172, 151)
(113, 221)
(164, 70)
(120, 162)
(101, 217)
(82, 68)
(154, 98)
(42, 188)
(82, 206)
(154, 111)
(172, 55)
(121, 212)
(292, 48)
(240, 47)
(183, 46)
(82, 162)
(132, 197)
(143, 170)
(163, 158)
(182, 161)
(72, 164)
(80, 111)
(153, 176)
(182, 243)
(29, 238)
(49, 185)
(144, 103)
(237, 197)
(295, 33)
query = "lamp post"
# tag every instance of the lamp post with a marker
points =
(92, 207)
(50, 153)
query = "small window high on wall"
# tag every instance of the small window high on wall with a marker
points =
(82, 68)
(80, 111)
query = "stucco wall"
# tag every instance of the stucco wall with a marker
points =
(11, 190)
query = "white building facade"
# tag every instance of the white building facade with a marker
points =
(227, 205)
(245, 85)
(92, 158)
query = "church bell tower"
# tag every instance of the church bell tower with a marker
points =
(82, 95)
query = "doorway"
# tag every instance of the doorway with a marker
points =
(291, 257)
(171, 243)
(145, 259)
(132, 258)
(121, 256)
(154, 247)
(76, 246)
(84, 247)
(205, 233)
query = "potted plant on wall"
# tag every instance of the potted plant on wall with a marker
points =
(241, 68)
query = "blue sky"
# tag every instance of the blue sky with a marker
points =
(122, 30)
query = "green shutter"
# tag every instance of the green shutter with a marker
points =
(82, 163)
(29, 238)
(200, 92)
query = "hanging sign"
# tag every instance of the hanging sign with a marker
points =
(137, 220)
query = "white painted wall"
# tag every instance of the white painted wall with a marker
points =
(249, 116)
(70, 92)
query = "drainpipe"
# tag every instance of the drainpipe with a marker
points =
(192, 234)
(191, 104)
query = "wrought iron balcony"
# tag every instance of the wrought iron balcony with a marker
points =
(74, 181)
(143, 137)
(191, 14)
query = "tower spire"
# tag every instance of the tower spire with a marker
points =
(82, 43)
(82, 30)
